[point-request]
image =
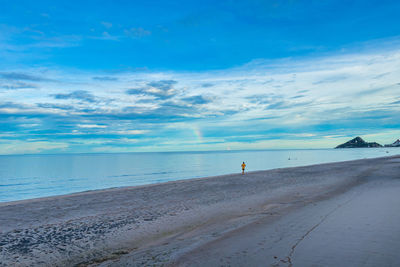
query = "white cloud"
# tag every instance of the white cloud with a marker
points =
(132, 132)
(91, 126)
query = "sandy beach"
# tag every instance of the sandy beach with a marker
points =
(337, 214)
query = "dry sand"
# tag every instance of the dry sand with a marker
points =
(338, 214)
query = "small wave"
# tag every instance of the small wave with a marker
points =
(74, 179)
(159, 173)
(124, 175)
(5, 185)
(142, 174)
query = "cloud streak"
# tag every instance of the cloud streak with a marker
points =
(19, 76)
(162, 89)
(82, 95)
(104, 78)
(18, 85)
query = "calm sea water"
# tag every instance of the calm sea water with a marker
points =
(31, 176)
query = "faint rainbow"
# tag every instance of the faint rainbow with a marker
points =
(197, 133)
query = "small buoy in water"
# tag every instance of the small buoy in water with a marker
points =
(387, 151)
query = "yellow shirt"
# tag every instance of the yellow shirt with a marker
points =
(243, 166)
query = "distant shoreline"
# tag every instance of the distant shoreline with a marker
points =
(174, 152)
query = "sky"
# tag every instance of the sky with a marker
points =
(139, 76)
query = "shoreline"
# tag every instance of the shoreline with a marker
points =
(110, 189)
(172, 222)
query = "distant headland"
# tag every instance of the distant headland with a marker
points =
(395, 144)
(359, 142)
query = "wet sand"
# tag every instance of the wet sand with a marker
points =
(338, 214)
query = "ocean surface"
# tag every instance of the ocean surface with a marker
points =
(32, 176)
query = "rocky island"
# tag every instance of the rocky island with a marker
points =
(395, 144)
(357, 143)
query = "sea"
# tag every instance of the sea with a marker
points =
(33, 176)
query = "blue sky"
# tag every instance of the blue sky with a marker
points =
(120, 76)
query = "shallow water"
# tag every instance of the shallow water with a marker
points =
(31, 176)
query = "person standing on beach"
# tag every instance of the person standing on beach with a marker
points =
(243, 167)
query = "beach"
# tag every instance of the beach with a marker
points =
(335, 214)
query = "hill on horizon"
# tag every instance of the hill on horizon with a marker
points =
(358, 142)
